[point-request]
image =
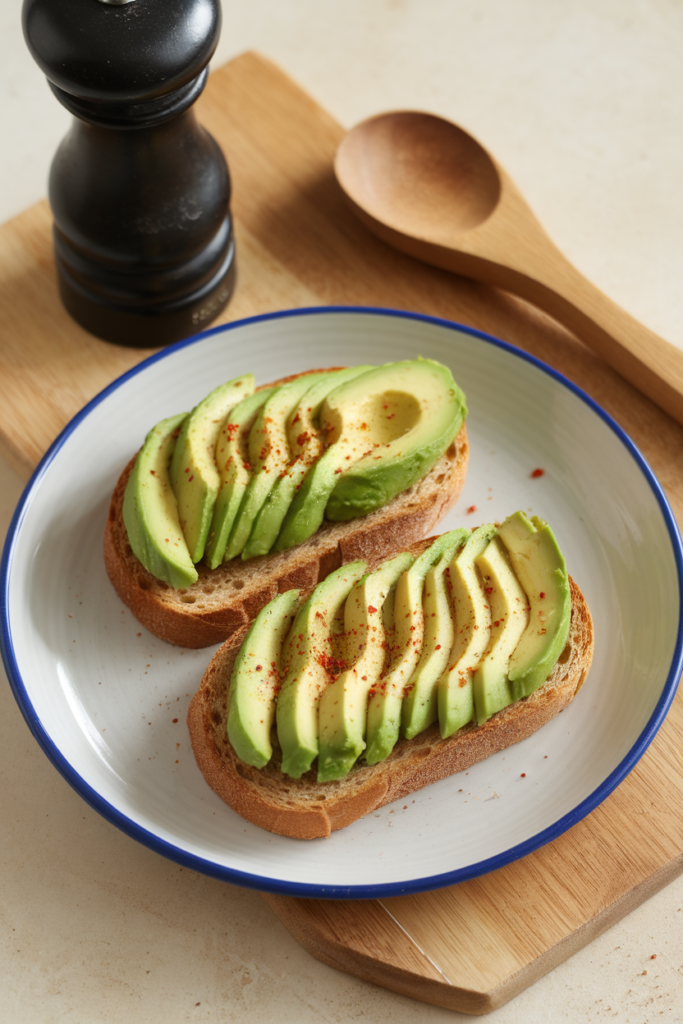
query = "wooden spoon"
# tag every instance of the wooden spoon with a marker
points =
(428, 188)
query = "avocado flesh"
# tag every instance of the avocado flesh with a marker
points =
(384, 708)
(472, 623)
(193, 473)
(306, 446)
(388, 427)
(420, 705)
(150, 510)
(255, 681)
(268, 456)
(306, 657)
(414, 410)
(509, 620)
(540, 567)
(343, 705)
(232, 459)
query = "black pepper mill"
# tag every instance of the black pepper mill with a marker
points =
(139, 191)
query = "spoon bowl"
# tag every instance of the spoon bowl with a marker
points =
(428, 188)
(380, 162)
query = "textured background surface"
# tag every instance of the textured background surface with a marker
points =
(583, 104)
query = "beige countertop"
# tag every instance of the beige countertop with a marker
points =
(583, 104)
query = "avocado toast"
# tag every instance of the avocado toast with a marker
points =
(326, 467)
(296, 688)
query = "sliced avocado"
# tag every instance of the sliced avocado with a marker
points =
(472, 622)
(343, 705)
(509, 619)
(193, 472)
(307, 510)
(150, 510)
(232, 459)
(384, 708)
(413, 411)
(306, 658)
(305, 447)
(540, 567)
(268, 456)
(386, 430)
(256, 679)
(420, 705)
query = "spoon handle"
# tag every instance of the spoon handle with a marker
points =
(546, 279)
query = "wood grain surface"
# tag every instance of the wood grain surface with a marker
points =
(473, 946)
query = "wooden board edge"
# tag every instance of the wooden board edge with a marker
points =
(426, 982)
(586, 933)
(404, 968)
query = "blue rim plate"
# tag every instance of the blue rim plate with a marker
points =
(107, 701)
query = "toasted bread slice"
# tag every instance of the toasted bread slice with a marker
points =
(224, 599)
(305, 809)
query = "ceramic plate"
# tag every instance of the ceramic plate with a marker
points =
(107, 701)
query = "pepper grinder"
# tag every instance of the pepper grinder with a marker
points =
(139, 192)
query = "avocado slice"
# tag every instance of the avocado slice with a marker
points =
(413, 410)
(307, 656)
(150, 509)
(420, 705)
(540, 567)
(384, 708)
(472, 621)
(232, 459)
(193, 473)
(509, 620)
(386, 430)
(306, 445)
(256, 679)
(268, 456)
(343, 705)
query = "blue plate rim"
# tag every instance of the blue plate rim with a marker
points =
(300, 889)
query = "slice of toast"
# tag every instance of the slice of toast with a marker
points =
(231, 596)
(305, 809)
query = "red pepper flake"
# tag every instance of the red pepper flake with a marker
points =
(438, 647)
(536, 473)
(471, 509)
(190, 479)
(653, 957)
(153, 472)
(371, 609)
(542, 594)
(258, 668)
(523, 775)
(488, 590)
(175, 720)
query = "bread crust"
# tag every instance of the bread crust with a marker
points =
(305, 809)
(224, 599)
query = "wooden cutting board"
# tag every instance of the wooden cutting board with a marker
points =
(472, 946)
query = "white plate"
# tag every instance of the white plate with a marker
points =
(107, 701)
